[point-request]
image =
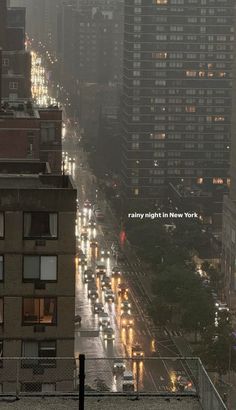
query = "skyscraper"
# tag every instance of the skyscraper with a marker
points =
(177, 94)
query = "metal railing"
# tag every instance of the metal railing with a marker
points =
(160, 376)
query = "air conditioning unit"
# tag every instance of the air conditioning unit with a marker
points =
(39, 285)
(39, 328)
(40, 242)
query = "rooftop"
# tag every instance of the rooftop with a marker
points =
(104, 403)
(36, 181)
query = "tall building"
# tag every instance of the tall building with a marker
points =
(176, 94)
(37, 277)
(228, 257)
(15, 60)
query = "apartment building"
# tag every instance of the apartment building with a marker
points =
(37, 277)
(15, 61)
(27, 132)
(177, 94)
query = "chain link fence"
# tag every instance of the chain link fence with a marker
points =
(166, 376)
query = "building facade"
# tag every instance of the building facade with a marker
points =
(177, 94)
(29, 133)
(15, 60)
(37, 278)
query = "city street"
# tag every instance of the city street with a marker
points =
(154, 375)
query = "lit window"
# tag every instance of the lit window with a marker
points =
(136, 191)
(218, 181)
(39, 311)
(161, 1)
(191, 73)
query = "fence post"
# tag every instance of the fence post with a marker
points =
(17, 377)
(137, 381)
(81, 380)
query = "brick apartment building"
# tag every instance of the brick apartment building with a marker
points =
(26, 132)
(15, 61)
(37, 276)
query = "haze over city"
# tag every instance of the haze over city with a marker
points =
(117, 204)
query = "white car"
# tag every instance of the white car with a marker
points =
(118, 366)
(104, 319)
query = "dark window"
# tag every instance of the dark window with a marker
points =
(48, 132)
(40, 225)
(1, 311)
(1, 224)
(40, 268)
(1, 268)
(39, 310)
(45, 349)
(1, 353)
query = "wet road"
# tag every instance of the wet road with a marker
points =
(150, 375)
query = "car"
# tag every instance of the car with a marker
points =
(88, 276)
(100, 269)
(87, 204)
(123, 289)
(108, 333)
(118, 366)
(92, 224)
(99, 215)
(78, 319)
(126, 306)
(106, 282)
(104, 319)
(84, 235)
(82, 258)
(93, 294)
(127, 320)
(98, 307)
(116, 272)
(137, 351)
(128, 381)
(93, 244)
(184, 384)
(105, 254)
(109, 296)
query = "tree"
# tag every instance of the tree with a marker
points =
(219, 352)
(198, 310)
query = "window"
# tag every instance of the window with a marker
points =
(1, 224)
(1, 311)
(40, 350)
(48, 133)
(40, 268)
(13, 85)
(1, 353)
(1, 268)
(5, 62)
(39, 311)
(40, 225)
